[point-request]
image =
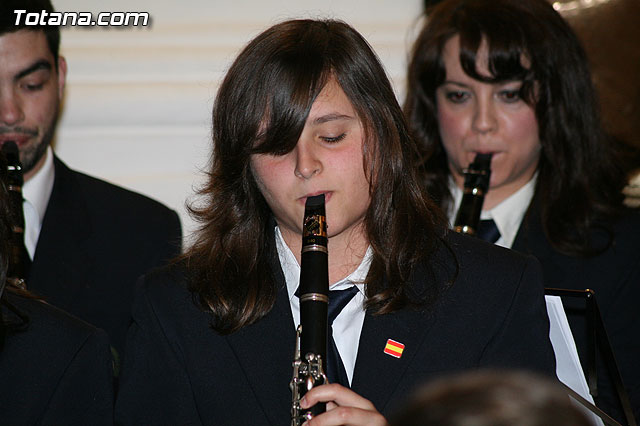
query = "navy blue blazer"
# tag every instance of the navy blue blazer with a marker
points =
(177, 370)
(58, 371)
(614, 275)
(96, 240)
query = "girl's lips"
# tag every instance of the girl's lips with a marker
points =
(327, 196)
(473, 154)
(485, 152)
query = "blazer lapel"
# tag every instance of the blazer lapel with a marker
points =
(265, 352)
(62, 260)
(531, 240)
(377, 373)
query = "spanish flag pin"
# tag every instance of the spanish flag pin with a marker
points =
(393, 348)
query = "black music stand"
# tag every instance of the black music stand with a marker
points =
(597, 340)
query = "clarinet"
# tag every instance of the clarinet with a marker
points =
(18, 264)
(311, 335)
(476, 184)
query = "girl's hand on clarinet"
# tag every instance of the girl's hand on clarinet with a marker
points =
(344, 407)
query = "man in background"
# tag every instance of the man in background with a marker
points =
(87, 240)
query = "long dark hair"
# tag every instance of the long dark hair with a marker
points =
(579, 177)
(261, 107)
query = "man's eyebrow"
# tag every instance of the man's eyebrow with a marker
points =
(331, 117)
(38, 65)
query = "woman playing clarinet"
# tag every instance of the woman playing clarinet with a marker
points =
(510, 79)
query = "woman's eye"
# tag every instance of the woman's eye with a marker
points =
(333, 139)
(457, 96)
(510, 95)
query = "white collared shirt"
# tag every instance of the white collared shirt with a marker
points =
(348, 324)
(36, 193)
(507, 215)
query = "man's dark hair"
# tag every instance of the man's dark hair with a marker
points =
(8, 21)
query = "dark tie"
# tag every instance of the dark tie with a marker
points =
(338, 299)
(488, 231)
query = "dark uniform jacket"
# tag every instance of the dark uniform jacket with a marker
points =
(96, 240)
(614, 276)
(56, 371)
(177, 370)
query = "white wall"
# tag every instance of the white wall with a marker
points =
(138, 100)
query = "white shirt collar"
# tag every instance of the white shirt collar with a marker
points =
(36, 192)
(291, 268)
(507, 215)
(348, 324)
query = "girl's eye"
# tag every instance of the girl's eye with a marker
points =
(333, 139)
(457, 96)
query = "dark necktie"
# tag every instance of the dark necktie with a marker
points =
(488, 231)
(338, 299)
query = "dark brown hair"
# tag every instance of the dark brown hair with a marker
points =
(580, 178)
(8, 19)
(275, 80)
(491, 398)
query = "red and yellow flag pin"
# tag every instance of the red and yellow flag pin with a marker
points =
(393, 348)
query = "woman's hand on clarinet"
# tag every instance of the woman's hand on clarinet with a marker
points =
(344, 407)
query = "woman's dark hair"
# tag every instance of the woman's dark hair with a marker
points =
(579, 177)
(261, 107)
